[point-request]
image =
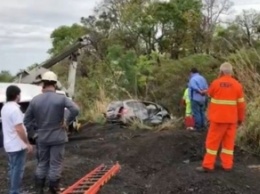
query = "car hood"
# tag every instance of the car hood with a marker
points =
(28, 91)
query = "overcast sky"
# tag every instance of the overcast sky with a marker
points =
(25, 27)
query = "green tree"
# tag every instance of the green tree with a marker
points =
(212, 10)
(249, 22)
(228, 40)
(180, 20)
(65, 36)
(5, 76)
(31, 67)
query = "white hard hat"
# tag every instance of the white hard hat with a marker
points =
(49, 76)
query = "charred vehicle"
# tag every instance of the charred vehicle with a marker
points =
(128, 110)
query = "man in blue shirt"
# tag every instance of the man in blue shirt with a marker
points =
(198, 87)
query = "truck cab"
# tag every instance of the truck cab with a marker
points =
(28, 92)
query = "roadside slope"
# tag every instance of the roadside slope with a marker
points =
(152, 163)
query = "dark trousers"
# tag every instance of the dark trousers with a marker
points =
(50, 160)
(37, 153)
(198, 109)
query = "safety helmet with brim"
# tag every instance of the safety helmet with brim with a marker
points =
(49, 76)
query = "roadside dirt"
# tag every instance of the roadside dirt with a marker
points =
(152, 163)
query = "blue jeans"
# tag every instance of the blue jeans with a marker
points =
(198, 109)
(16, 165)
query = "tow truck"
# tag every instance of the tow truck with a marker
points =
(30, 80)
(72, 52)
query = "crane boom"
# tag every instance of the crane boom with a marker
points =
(59, 57)
(34, 76)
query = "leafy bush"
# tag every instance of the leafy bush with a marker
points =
(171, 78)
(247, 66)
(249, 134)
(92, 109)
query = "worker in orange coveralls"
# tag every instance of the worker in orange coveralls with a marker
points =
(226, 112)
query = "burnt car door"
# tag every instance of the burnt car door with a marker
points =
(154, 111)
(113, 111)
(139, 109)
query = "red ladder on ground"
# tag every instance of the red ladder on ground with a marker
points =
(92, 182)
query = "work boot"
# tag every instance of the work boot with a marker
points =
(227, 169)
(220, 167)
(39, 186)
(202, 169)
(54, 187)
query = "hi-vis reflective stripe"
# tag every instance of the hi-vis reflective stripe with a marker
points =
(212, 152)
(224, 102)
(241, 100)
(229, 152)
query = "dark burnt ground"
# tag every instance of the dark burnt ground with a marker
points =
(152, 163)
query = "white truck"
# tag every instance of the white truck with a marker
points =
(28, 91)
(71, 52)
(30, 80)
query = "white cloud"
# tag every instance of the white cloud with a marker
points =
(246, 4)
(255, 6)
(25, 27)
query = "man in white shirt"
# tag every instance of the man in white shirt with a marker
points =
(15, 138)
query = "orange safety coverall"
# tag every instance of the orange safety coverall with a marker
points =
(226, 109)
